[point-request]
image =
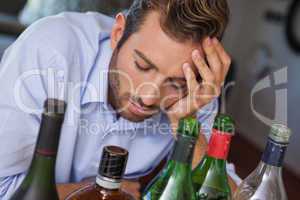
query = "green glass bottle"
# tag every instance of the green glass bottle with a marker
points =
(175, 182)
(39, 184)
(210, 177)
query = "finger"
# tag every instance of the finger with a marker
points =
(183, 105)
(208, 87)
(190, 77)
(225, 58)
(210, 91)
(212, 57)
(204, 71)
(191, 100)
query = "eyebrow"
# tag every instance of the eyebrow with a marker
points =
(149, 62)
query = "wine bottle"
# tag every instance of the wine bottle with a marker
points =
(108, 181)
(39, 182)
(210, 177)
(175, 182)
(265, 182)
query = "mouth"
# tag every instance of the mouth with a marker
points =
(138, 110)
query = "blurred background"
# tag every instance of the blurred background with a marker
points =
(263, 39)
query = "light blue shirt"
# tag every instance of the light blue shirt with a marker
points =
(67, 57)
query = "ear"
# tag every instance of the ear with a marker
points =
(118, 30)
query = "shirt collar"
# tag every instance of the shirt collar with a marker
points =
(96, 88)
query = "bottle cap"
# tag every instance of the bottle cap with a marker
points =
(224, 124)
(280, 133)
(189, 126)
(113, 162)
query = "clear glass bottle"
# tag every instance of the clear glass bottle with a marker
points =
(210, 176)
(108, 181)
(175, 182)
(265, 182)
(40, 180)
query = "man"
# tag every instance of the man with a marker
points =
(127, 82)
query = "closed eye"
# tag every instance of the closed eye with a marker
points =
(144, 69)
(177, 86)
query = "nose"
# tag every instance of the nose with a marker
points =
(149, 92)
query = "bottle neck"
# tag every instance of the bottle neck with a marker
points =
(274, 153)
(184, 150)
(41, 173)
(219, 145)
(42, 170)
(213, 162)
(271, 171)
(46, 148)
(49, 134)
(108, 183)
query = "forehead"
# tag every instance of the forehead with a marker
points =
(166, 53)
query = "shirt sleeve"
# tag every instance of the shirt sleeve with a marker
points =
(206, 117)
(27, 79)
(8, 185)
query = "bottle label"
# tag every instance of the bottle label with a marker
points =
(219, 145)
(274, 153)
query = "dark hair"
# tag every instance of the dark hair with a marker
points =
(180, 19)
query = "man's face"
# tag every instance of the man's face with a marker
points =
(146, 73)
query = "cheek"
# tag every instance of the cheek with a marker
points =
(130, 78)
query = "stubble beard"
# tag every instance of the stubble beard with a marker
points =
(114, 83)
(115, 97)
(114, 94)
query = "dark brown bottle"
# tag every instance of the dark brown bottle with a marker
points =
(108, 181)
